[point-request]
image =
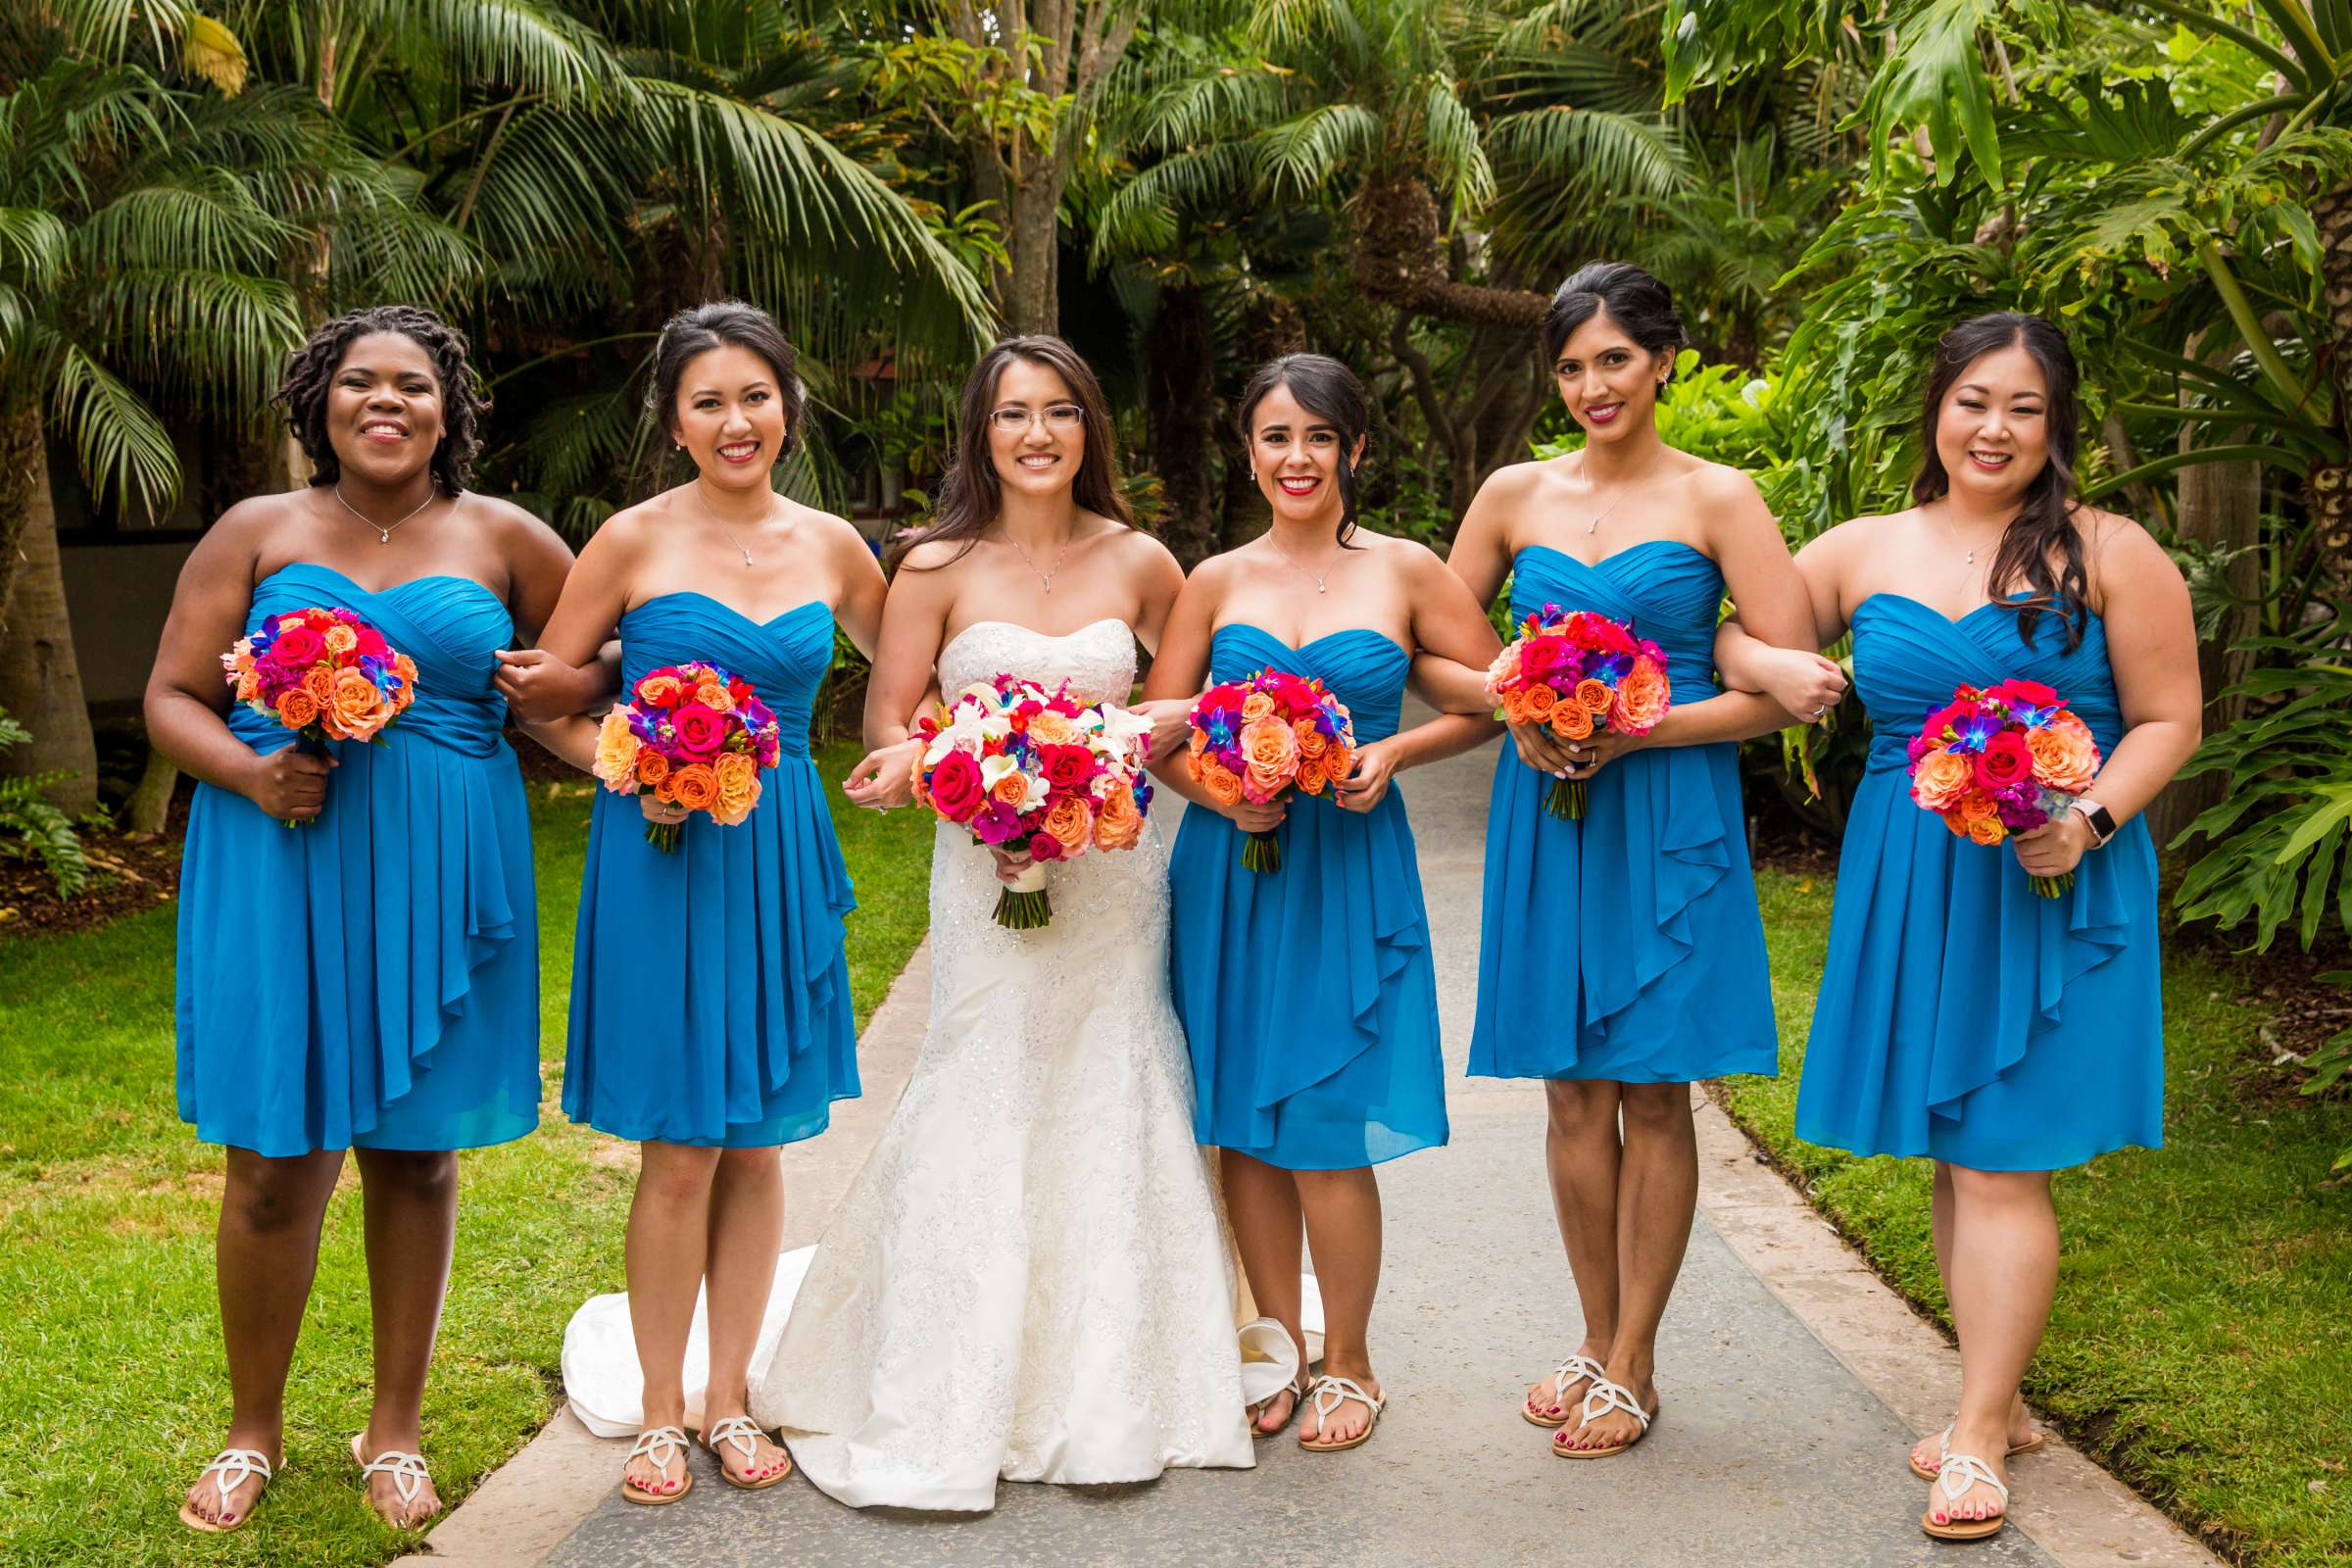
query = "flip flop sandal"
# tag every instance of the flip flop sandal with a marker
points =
(660, 1444)
(231, 1469)
(1583, 1369)
(742, 1434)
(1944, 1446)
(1327, 1395)
(1271, 1366)
(407, 1471)
(1969, 1470)
(1609, 1397)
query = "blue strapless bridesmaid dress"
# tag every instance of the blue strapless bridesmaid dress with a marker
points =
(372, 979)
(1961, 1015)
(1626, 946)
(1308, 993)
(709, 989)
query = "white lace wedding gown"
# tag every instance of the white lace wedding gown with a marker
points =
(1028, 1279)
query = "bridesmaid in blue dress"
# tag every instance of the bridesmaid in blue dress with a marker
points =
(1621, 955)
(711, 1011)
(1307, 994)
(370, 981)
(1961, 1016)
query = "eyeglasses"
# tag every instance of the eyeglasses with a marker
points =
(1059, 416)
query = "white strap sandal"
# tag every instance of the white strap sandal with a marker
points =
(1326, 1394)
(1599, 1399)
(231, 1469)
(1943, 1449)
(742, 1434)
(661, 1445)
(1960, 1472)
(407, 1470)
(1576, 1369)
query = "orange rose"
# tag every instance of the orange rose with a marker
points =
(1120, 822)
(297, 708)
(1594, 694)
(404, 667)
(1941, 779)
(714, 697)
(738, 787)
(1196, 746)
(1011, 790)
(652, 767)
(696, 787)
(1311, 774)
(358, 706)
(617, 749)
(1641, 696)
(1541, 701)
(248, 685)
(319, 682)
(655, 688)
(1572, 721)
(667, 792)
(1271, 752)
(1257, 706)
(1071, 821)
(341, 639)
(1514, 707)
(2065, 757)
(1223, 784)
(1049, 728)
(1340, 760)
(1313, 742)
(1987, 831)
(1983, 817)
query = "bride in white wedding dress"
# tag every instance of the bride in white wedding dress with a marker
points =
(1028, 1279)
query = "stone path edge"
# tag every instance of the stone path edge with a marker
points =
(2076, 1510)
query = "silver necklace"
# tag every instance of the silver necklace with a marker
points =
(1953, 534)
(1295, 567)
(1044, 578)
(723, 528)
(383, 531)
(1593, 526)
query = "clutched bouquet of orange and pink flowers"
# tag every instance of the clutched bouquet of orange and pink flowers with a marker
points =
(1022, 767)
(1578, 673)
(2003, 760)
(694, 735)
(325, 674)
(1261, 737)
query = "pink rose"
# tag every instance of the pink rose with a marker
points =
(956, 791)
(700, 730)
(296, 647)
(2005, 761)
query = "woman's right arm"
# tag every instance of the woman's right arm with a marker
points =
(595, 596)
(188, 695)
(914, 617)
(1180, 671)
(1805, 684)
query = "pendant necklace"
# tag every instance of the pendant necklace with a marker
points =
(1295, 567)
(722, 526)
(383, 531)
(1045, 579)
(1593, 526)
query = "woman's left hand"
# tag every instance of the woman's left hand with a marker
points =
(1171, 724)
(2054, 848)
(1593, 753)
(1367, 782)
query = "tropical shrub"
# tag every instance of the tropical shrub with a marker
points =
(32, 830)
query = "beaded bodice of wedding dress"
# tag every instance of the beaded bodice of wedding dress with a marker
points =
(1028, 1279)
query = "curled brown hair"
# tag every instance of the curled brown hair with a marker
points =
(311, 371)
(970, 496)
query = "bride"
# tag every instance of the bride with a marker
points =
(1028, 1279)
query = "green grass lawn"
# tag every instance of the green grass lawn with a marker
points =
(113, 1390)
(2202, 1339)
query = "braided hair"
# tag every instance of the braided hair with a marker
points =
(311, 371)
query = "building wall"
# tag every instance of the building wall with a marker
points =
(119, 594)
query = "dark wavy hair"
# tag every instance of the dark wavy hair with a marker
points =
(311, 373)
(2044, 524)
(1330, 391)
(970, 496)
(1635, 300)
(723, 323)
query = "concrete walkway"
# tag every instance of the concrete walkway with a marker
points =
(1793, 1383)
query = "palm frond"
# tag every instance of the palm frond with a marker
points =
(1299, 154)
(123, 449)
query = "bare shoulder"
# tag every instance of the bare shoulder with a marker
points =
(1145, 551)
(933, 558)
(1515, 481)
(509, 524)
(251, 520)
(2121, 553)
(835, 533)
(1409, 558)
(1720, 485)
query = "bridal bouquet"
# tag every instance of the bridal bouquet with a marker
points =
(1579, 673)
(1258, 738)
(2001, 761)
(696, 737)
(325, 674)
(1025, 768)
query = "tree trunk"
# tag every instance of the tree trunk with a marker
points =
(2329, 487)
(2218, 503)
(40, 683)
(1400, 261)
(1181, 393)
(1032, 296)
(143, 816)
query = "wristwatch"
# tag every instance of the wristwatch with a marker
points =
(2101, 821)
